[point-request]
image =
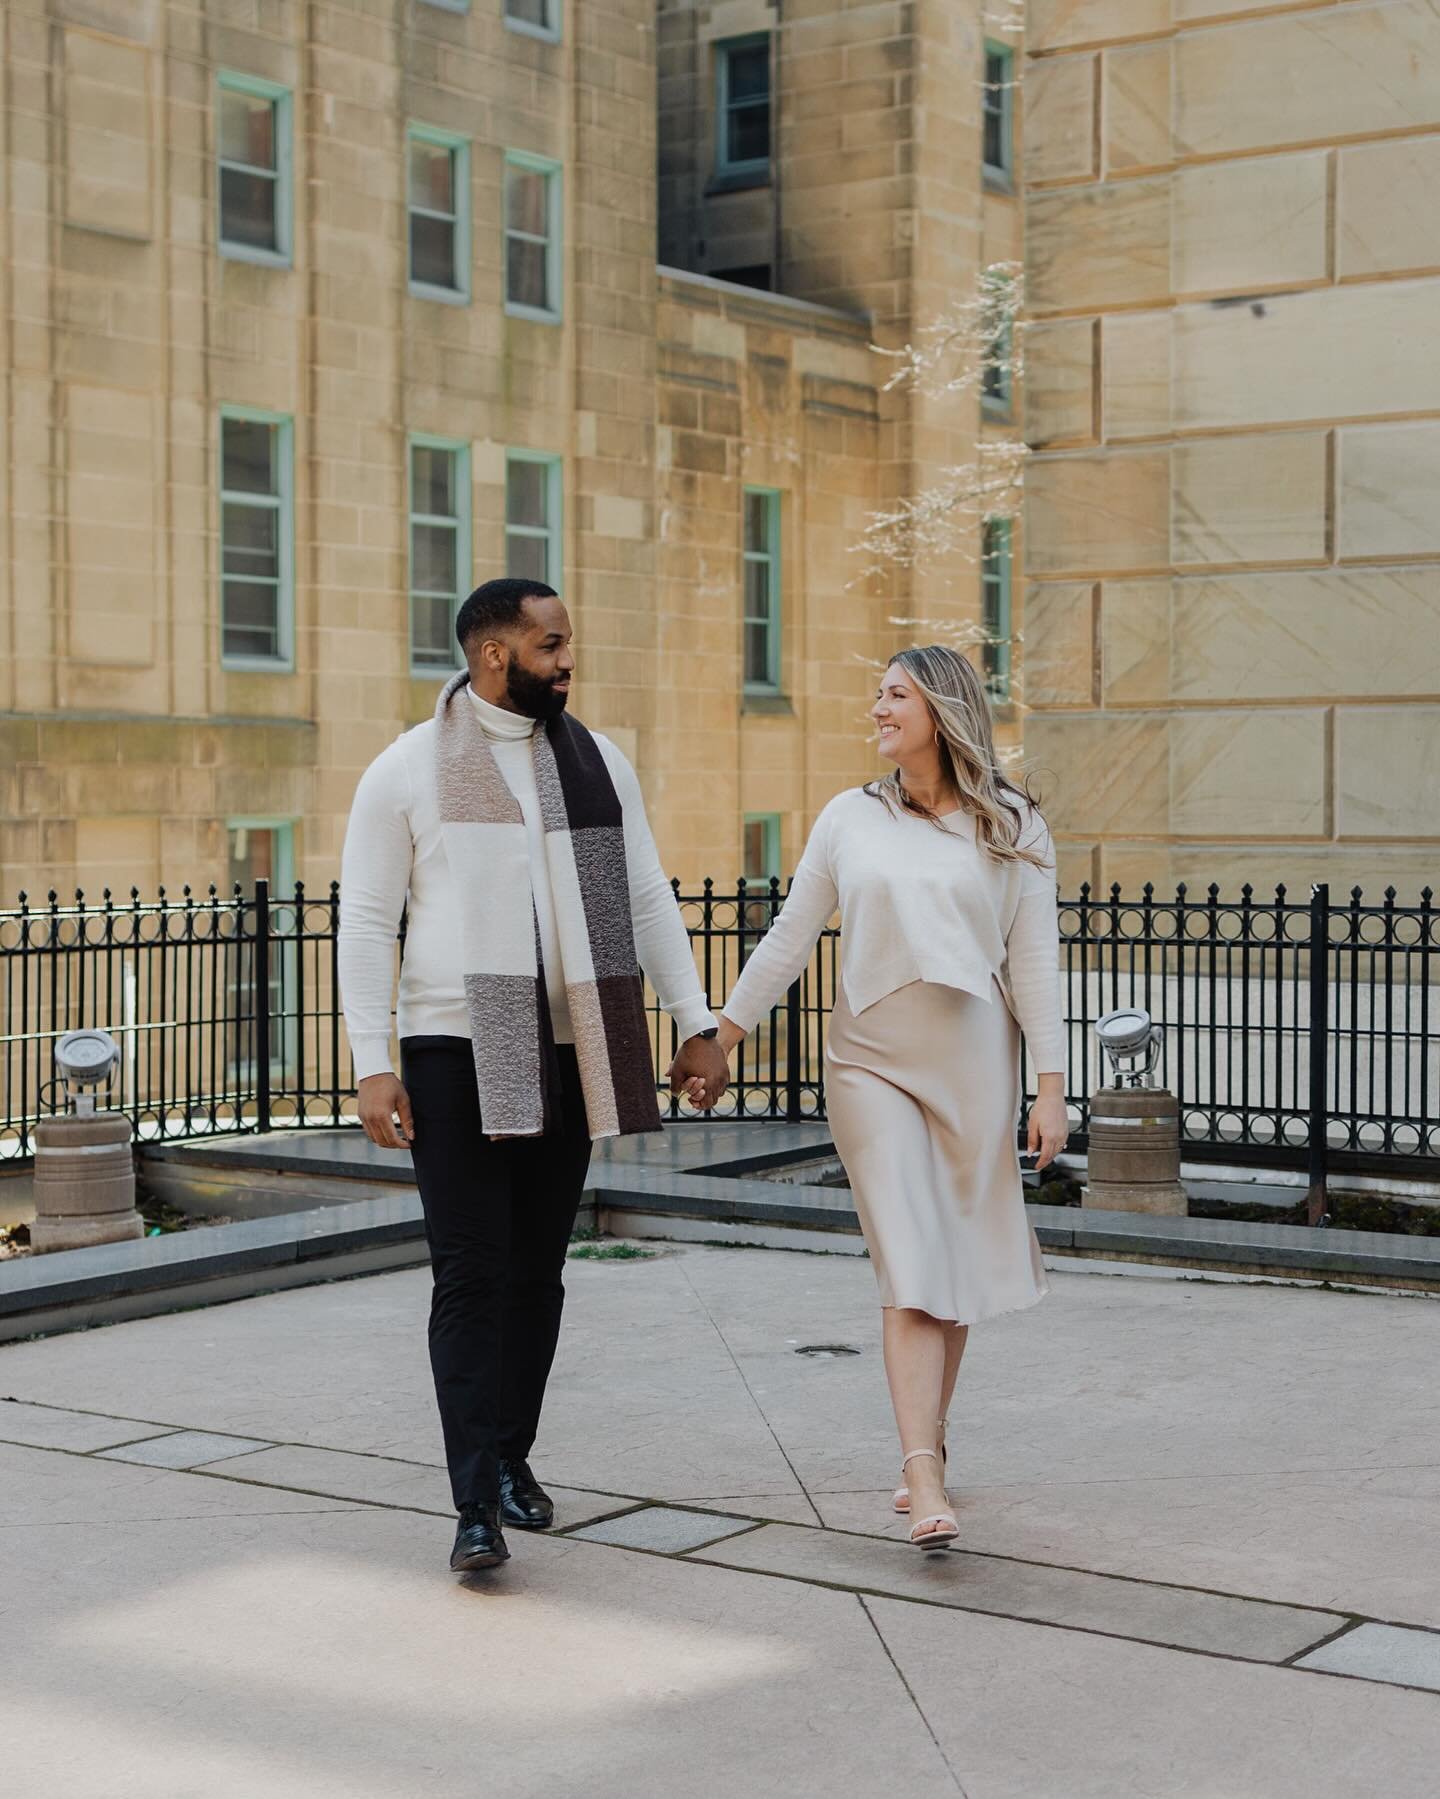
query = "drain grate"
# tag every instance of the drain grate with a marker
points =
(827, 1349)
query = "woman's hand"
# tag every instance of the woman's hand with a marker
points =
(730, 1035)
(1049, 1121)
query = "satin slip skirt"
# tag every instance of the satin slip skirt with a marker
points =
(923, 1094)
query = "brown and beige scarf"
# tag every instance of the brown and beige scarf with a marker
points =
(486, 846)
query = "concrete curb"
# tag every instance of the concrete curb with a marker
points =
(648, 1184)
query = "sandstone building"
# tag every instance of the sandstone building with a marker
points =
(318, 313)
(1233, 622)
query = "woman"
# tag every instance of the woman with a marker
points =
(943, 875)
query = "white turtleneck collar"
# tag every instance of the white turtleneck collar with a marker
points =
(508, 727)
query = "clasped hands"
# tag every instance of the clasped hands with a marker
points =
(701, 1069)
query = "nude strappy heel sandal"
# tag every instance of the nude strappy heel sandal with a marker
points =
(901, 1499)
(949, 1529)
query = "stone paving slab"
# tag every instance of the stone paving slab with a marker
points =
(332, 1657)
(1382, 1652)
(379, 1480)
(663, 1529)
(367, 1479)
(1022, 1711)
(44, 1427)
(1215, 1623)
(224, 1637)
(1319, 1539)
(184, 1449)
(47, 1496)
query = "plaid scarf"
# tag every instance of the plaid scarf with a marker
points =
(485, 843)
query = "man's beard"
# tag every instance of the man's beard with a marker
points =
(533, 695)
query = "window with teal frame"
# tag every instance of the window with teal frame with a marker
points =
(995, 613)
(996, 386)
(532, 516)
(264, 849)
(997, 116)
(437, 198)
(253, 181)
(257, 540)
(762, 846)
(532, 237)
(762, 590)
(440, 553)
(742, 108)
(535, 18)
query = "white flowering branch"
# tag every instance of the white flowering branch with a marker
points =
(976, 336)
(942, 520)
(976, 346)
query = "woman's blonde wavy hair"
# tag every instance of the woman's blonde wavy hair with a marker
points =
(965, 737)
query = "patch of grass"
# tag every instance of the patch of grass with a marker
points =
(610, 1252)
(1348, 1212)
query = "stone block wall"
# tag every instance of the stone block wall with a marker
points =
(1234, 401)
(129, 745)
(758, 390)
(707, 224)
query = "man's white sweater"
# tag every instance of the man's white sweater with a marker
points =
(394, 855)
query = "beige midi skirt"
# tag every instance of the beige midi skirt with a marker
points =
(923, 1093)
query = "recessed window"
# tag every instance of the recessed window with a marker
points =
(536, 18)
(762, 846)
(995, 619)
(532, 516)
(742, 106)
(762, 590)
(256, 540)
(438, 201)
(439, 550)
(996, 385)
(532, 236)
(760, 849)
(253, 141)
(998, 114)
(264, 850)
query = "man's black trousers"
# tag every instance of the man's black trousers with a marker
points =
(498, 1217)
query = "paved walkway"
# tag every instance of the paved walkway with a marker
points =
(223, 1537)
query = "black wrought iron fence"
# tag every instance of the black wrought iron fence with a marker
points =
(1297, 1031)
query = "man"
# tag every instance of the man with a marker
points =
(518, 841)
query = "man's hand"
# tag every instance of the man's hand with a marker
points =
(701, 1072)
(381, 1100)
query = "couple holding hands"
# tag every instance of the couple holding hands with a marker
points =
(515, 843)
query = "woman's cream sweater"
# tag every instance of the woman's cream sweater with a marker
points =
(918, 903)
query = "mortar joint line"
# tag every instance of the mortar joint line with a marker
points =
(910, 1691)
(750, 1391)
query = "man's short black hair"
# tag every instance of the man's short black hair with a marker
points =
(497, 606)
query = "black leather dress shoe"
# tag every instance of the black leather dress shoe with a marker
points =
(523, 1501)
(479, 1542)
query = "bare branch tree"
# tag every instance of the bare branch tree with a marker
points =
(942, 520)
(976, 338)
(975, 347)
